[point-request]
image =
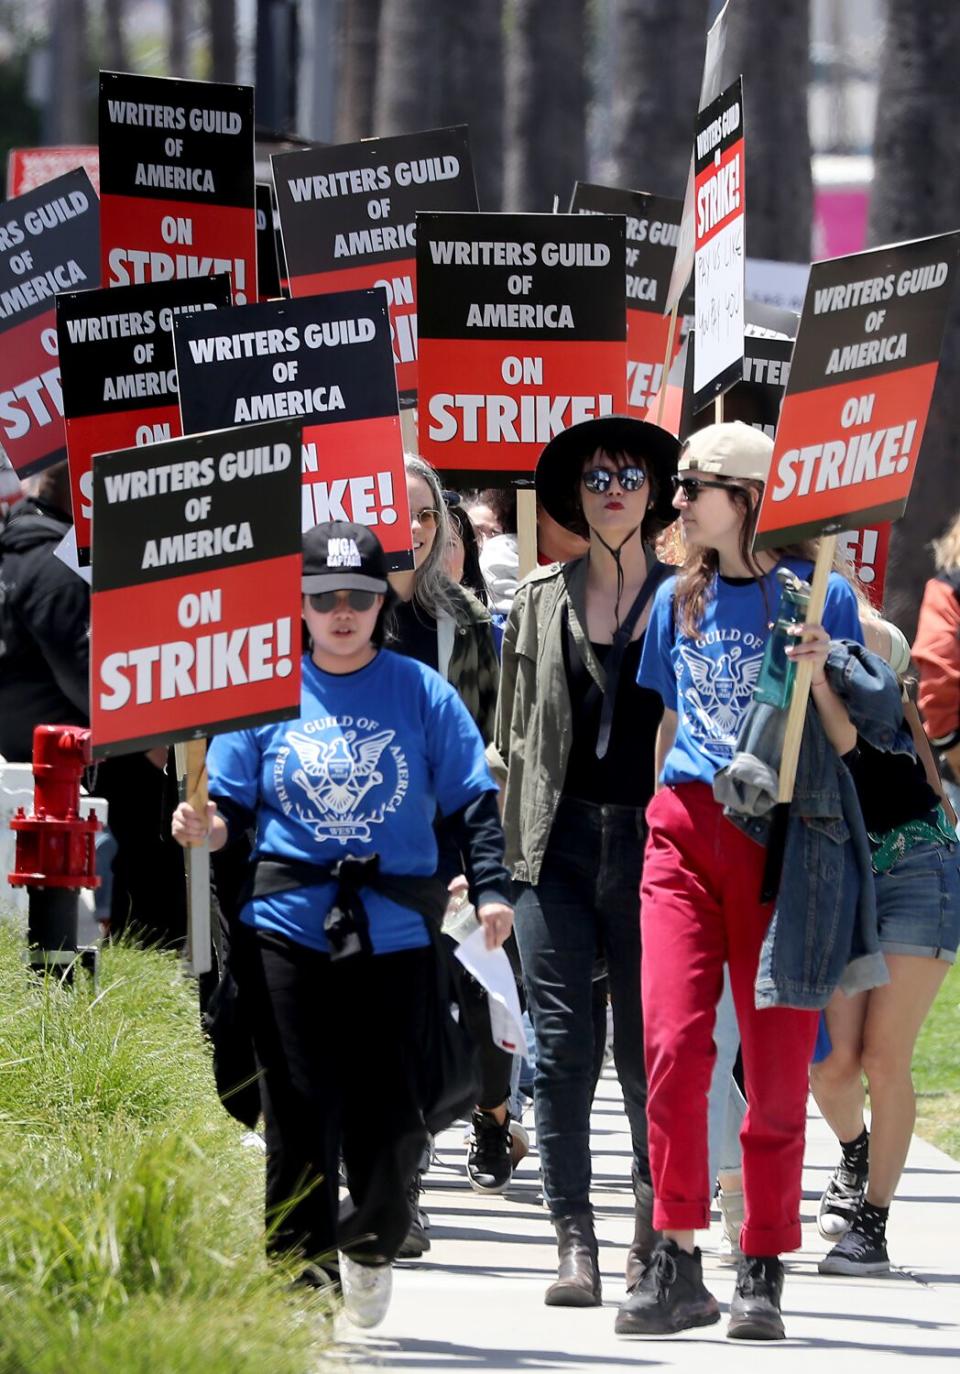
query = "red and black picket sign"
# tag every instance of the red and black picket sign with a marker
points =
(177, 181)
(327, 361)
(522, 334)
(28, 168)
(756, 399)
(268, 262)
(719, 249)
(653, 223)
(195, 619)
(48, 243)
(118, 373)
(348, 217)
(861, 379)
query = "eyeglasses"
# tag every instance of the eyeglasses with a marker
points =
(598, 480)
(428, 516)
(325, 602)
(693, 486)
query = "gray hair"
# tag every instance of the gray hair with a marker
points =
(432, 588)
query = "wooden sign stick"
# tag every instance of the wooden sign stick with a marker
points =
(667, 359)
(192, 769)
(526, 530)
(408, 431)
(796, 717)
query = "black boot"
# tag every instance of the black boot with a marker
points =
(755, 1307)
(644, 1236)
(578, 1270)
(669, 1297)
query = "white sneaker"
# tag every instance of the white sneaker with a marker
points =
(366, 1291)
(731, 1219)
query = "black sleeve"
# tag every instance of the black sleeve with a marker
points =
(477, 831)
(54, 606)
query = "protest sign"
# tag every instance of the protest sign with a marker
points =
(652, 228)
(28, 168)
(48, 243)
(347, 216)
(719, 246)
(118, 374)
(268, 264)
(195, 619)
(522, 333)
(862, 375)
(327, 361)
(868, 550)
(755, 399)
(176, 172)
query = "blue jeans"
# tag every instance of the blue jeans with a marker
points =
(585, 907)
(726, 1104)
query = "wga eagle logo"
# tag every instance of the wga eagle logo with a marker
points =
(340, 777)
(721, 692)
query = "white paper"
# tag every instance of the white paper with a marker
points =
(66, 551)
(493, 970)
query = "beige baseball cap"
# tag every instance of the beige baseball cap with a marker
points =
(731, 449)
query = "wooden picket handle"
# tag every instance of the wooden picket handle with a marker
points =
(797, 712)
(667, 360)
(408, 431)
(197, 791)
(526, 530)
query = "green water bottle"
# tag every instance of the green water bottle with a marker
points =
(777, 671)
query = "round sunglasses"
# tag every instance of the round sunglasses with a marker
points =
(693, 486)
(325, 602)
(426, 517)
(598, 480)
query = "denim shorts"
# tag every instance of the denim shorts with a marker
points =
(918, 903)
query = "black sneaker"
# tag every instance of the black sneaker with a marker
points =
(840, 1202)
(856, 1253)
(417, 1241)
(669, 1297)
(755, 1307)
(489, 1163)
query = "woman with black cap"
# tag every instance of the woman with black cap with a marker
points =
(340, 977)
(577, 736)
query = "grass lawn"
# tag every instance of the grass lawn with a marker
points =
(936, 1069)
(131, 1216)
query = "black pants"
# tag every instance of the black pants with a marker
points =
(339, 1044)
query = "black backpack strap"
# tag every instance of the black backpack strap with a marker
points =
(619, 647)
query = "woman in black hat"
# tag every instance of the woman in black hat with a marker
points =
(339, 971)
(577, 736)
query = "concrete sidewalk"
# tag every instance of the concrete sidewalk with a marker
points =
(475, 1302)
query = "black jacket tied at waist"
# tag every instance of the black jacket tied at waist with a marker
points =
(347, 925)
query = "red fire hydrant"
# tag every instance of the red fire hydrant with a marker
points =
(56, 855)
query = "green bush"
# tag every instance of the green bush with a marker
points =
(130, 1229)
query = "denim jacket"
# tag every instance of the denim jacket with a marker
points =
(823, 933)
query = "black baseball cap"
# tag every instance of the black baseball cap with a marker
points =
(342, 556)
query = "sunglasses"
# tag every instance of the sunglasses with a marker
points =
(325, 602)
(693, 486)
(428, 516)
(598, 480)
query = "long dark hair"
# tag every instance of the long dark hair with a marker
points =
(472, 576)
(696, 581)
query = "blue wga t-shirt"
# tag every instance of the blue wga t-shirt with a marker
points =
(363, 771)
(709, 680)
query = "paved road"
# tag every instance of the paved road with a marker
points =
(475, 1302)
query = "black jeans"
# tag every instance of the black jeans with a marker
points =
(586, 905)
(339, 1044)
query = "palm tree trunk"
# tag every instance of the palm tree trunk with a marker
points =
(410, 56)
(116, 53)
(659, 58)
(916, 192)
(177, 37)
(222, 21)
(357, 43)
(471, 90)
(69, 122)
(545, 111)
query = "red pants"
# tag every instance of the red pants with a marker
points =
(699, 907)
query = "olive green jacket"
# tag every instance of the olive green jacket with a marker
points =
(533, 730)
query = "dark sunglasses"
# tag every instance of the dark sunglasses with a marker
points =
(598, 480)
(693, 486)
(324, 602)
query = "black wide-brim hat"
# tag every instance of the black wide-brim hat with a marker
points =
(560, 466)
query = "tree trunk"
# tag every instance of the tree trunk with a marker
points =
(357, 44)
(471, 90)
(177, 38)
(411, 51)
(545, 112)
(69, 121)
(222, 19)
(770, 46)
(915, 193)
(659, 58)
(115, 52)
